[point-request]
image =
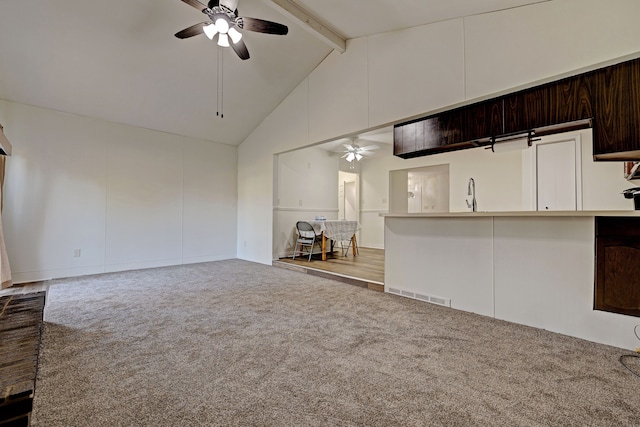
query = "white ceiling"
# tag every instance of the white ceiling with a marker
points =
(119, 60)
(360, 18)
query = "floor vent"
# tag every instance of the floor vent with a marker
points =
(440, 301)
(422, 297)
(408, 294)
(445, 302)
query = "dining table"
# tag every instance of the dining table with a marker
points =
(336, 231)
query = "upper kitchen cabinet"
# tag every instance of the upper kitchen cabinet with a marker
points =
(446, 128)
(616, 94)
(404, 138)
(526, 109)
(484, 119)
(565, 101)
(608, 99)
(570, 100)
(435, 134)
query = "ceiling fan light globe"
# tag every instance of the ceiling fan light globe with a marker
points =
(350, 157)
(358, 156)
(222, 25)
(223, 40)
(210, 30)
(235, 35)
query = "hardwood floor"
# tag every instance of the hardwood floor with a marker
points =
(366, 269)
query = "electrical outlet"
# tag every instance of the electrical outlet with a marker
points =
(384, 201)
(76, 253)
(300, 202)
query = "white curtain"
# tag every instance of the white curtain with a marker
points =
(5, 269)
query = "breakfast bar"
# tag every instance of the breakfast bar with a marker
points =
(532, 268)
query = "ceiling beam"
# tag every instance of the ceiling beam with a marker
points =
(312, 24)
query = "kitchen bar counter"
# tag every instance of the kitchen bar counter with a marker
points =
(532, 268)
(630, 213)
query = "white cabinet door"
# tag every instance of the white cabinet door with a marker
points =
(556, 176)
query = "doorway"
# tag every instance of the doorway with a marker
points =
(348, 196)
(552, 173)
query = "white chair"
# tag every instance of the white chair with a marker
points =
(307, 238)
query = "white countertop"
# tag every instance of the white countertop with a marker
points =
(628, 213)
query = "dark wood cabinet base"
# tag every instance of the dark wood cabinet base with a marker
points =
(617, 279)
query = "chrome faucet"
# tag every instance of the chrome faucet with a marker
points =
(471, 191)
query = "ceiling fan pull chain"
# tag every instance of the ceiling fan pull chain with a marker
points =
(221, 84)
(217, 81)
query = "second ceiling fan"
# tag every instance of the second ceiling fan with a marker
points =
(224, 23)
(354, 151)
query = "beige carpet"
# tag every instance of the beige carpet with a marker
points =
(235, 343)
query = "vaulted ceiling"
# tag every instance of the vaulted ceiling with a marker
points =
(119, 60)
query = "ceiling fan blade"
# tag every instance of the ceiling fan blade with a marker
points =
(231, 4)
(262, 26)
(196, 4)
(241, 49)
(193, 30)
(370, 147)
(348, 147)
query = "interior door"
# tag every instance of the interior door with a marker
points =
(350, 201)
(556, 176)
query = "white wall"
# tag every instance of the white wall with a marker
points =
(418, 71)
(307, 183)
(499, 179)
(498, 184)
(126, 197)
(602, 182)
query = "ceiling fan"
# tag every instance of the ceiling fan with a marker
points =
(224, 23)
(355, 152)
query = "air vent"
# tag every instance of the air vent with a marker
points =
(440, 301)
(445, 302)
(422, 297)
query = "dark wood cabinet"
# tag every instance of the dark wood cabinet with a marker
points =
(616, 129)
(398, 149)
(526, 110)
(433, 134)
(608, 99)
(564, 101)
(483, 120)
(447, 128)
(570, 100)
(407, 138)
(617, 287)
(409, 143)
